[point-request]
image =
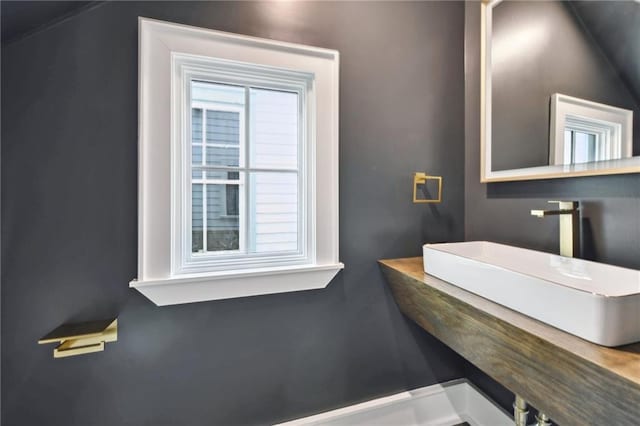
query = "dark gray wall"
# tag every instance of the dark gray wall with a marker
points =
(615, 27)
(500, 211)
(554, 53)
(19, 18)
(69, 163)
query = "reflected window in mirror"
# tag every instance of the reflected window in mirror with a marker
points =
(582, 131)
(579, 147)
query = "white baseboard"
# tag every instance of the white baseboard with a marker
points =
(444, 404)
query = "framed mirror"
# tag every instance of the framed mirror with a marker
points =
(560, 89)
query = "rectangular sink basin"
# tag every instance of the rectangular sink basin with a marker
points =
(597, 302)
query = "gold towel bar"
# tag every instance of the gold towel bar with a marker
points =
(421, 179)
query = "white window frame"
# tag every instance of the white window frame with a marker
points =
(188, 68)
(170, 54)
(612, 125)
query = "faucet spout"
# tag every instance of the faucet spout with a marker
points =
(569, 213)
(543, 213)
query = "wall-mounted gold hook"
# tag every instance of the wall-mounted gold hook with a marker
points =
(420, 178)
(82, 338)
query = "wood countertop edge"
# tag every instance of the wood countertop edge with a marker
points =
(623, 361)
(575, 382)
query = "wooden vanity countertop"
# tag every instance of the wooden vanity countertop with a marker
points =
(573, 381)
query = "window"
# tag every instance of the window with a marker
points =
(243, 131)
(217, 143)
(247, 169)
(580, 146)
(582, 131)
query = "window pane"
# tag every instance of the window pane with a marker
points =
(205, 91)
(196, 174)
(223, 127)
(217, 175)
(274, 129)
(568, 147)
(196, 218)
(223, 138)
(223, 156)
(221, 205)
(217, 122)
(274, 217)
(584, 147)
(196, 125)
(196, 154)
(221, 175)
(233, 200)
(196, 141)
(223, 230)
(593, 146)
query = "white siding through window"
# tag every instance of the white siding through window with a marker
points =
(274, 134)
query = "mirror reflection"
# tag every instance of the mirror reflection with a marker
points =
(565, 82)
(581, 131)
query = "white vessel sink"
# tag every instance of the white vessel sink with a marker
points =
(597, 302)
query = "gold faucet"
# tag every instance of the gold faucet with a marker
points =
(569, 226)
(570, 247)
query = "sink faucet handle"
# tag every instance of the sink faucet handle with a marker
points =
(566, 205)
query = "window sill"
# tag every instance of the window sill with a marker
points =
(228, 285)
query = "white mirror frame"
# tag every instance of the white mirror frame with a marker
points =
(487, 175)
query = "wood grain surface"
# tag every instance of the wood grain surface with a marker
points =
(574, 381)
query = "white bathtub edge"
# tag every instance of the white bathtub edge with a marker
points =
(466, 403)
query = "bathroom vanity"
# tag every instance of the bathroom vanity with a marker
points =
(574, 381)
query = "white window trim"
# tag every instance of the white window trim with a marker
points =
(159, 43)
(576, 113)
